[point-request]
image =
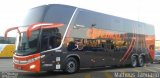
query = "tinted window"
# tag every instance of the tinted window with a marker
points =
(98, 20)
(59, 13)
(34, 15)
(102, 21)
(51, 38)
(49, 13)
(87, 32)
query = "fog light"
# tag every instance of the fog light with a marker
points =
(32, 66)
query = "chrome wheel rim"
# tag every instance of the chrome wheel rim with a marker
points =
(71, 66)
(134, 62)
(141, 61)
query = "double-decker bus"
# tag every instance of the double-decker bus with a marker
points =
(58, 37)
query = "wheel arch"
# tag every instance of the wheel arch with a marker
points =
(135, 55)
(76, 56)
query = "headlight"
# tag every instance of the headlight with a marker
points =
(32, 66)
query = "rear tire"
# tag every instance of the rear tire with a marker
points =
(134, 61)
(141, 61)
(71, 65)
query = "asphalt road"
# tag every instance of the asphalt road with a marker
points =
(149, 71)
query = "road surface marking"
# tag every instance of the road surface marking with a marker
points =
(87, 76)
(156, 67)
(137, 70)
(150, 70)
(108, 74)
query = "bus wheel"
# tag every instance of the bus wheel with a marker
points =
(141, 61)
(134, 61)
(71, 65)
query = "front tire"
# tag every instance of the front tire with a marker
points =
(134, 61)
(71, 65)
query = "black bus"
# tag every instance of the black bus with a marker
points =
(58, 37)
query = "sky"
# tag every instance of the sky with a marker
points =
(12, 12)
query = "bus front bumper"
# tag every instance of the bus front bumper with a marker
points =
(27, 63)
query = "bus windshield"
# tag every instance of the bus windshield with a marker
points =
(49, 14)
(27, 46)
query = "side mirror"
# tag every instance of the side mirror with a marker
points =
(41, 26)
(10, 29)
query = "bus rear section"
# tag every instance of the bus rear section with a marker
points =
(65, 38)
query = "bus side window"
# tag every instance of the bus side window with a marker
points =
(76, 45)
(71, 46)
(51, 38)
(54, 41)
